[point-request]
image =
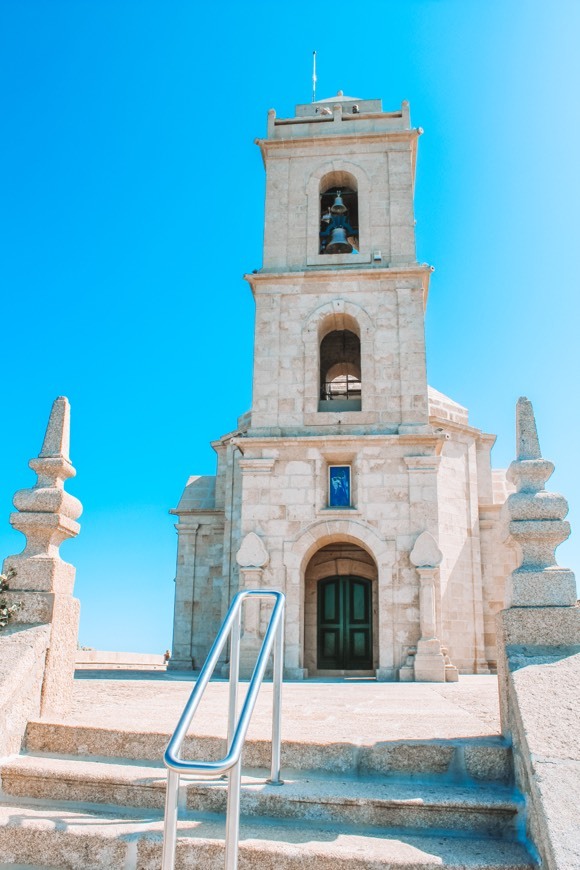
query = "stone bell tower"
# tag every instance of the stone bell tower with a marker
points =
(362, 279)
(350, 484)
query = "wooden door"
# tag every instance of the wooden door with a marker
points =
(345, 624)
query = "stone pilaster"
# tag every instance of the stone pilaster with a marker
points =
(43, 582)
(182, 657)
(429, 660)
(252, 557)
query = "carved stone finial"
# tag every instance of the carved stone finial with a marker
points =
(44, 582)
(57, 438)
(528, 444)
(426, 553)
(46, 514)
(252, 553)
(529, 472)
(535, 521)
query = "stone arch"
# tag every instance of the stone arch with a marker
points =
(346, 560)
(339, 169)
(337, 315)
(297, 554)
(331, 185)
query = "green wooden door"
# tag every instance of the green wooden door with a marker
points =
(345, 624)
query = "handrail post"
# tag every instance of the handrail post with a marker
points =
(233, 815)
(234, 677)
(170, 825)
(277, 674)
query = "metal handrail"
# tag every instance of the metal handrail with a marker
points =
(231, 763)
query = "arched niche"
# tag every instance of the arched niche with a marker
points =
(338, 316)
(331, 174)
(342, 185)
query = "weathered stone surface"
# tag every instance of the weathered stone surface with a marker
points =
(543, 693)
(22, 662)
(550, 587)
(78, 840)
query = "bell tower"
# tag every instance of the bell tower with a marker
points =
(340, 298)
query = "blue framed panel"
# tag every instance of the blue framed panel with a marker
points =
(339, 488)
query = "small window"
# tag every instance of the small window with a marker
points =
(339, 491)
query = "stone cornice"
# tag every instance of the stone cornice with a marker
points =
(202, 512)
(300, 143)
(257, 466)
(424, 441)
(422, 464)
(422, 271)
(463, 428)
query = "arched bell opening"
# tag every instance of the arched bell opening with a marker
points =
(341, 612)
(339, 233)
(340, 372)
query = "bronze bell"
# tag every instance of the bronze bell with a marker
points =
(338, 243)
(338, 206)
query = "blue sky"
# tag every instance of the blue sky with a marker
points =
(132, 204)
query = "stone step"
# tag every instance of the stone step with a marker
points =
(87, 840)
(367, 801)
(486, 758)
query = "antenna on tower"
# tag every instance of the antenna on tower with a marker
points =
(313, 76)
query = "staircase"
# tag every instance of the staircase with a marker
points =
(417, 805)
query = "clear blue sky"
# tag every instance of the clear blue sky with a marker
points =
(132, 203)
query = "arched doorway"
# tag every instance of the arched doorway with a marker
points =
(340, 612)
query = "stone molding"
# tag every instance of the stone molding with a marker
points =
(424, 464)
(273, 279)
(256, 466)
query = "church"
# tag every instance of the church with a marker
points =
(351, 485)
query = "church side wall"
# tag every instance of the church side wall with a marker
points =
(460, 572)
(197, 588)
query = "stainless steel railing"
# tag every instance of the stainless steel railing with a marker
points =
(231, 763)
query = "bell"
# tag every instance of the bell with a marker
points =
(338, 206)
(338, 243)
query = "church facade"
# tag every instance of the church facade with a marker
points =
(351, 485)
